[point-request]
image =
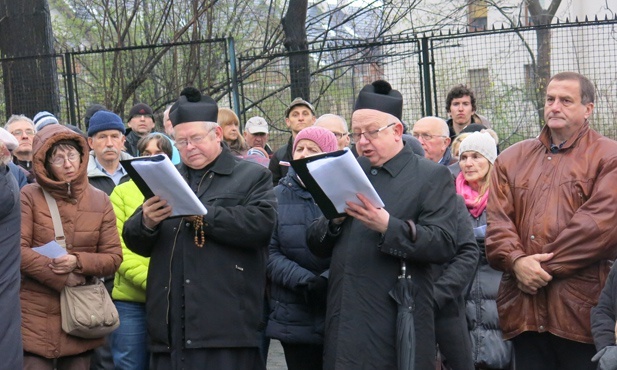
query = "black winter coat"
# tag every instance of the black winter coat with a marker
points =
(285, 155)
(490, 351)
(219, 302)
(361, 316)
(291, 265)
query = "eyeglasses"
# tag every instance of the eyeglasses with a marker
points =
(59, 161)
(426, 137)
(340, 135)
(181, 144)
(369, 135)
(28, 132)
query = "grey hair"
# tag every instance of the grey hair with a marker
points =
(326, 116)
(210, 126)
(18, 117)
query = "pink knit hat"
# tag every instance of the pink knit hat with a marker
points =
(320, 136)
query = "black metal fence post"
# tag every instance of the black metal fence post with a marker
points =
(425, 68)
(235, 94)
(70, 89)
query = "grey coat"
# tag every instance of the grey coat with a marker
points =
(10, 312)
(361, 316)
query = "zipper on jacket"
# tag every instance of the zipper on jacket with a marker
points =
(68, 184)
(173, 249)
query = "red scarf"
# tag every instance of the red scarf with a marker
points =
(474, 203)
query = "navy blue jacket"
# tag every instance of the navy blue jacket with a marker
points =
(291, 264)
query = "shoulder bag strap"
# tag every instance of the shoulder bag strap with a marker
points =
(55, 217)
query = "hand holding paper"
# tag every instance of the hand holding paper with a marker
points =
(373, 218)
(64, 264)
(334, 179)
(154, 211)
(156, 175)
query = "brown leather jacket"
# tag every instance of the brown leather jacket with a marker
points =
(89, 225)
(564, 203)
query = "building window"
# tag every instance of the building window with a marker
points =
(479, 82)
(478, 13)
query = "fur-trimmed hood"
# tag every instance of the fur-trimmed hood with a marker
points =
(43, 141)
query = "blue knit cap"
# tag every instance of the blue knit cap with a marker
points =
(104, 120)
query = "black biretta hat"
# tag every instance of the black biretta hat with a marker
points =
(192, 106)
(380, 96)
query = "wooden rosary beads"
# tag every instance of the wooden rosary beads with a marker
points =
(198, 225)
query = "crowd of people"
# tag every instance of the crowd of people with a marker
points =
(509, 253)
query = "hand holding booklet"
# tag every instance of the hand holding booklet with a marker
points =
(156, 175)
(333, 179)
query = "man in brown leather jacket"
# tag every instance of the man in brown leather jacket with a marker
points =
(551, 229)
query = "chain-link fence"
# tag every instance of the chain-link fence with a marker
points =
(504, 68)
(120, 77)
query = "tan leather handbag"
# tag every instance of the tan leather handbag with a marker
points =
(87, 311)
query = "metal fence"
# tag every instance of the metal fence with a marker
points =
(120, 77)
(499, 65)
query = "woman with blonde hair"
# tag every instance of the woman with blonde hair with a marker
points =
(477, 153)
(230, 124)
(456, 143)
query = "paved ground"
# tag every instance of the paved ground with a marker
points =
(276, 358)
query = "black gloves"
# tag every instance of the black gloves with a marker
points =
(316, 293)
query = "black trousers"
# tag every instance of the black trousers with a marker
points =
(545, 351)
(454, 342)
(302, 356)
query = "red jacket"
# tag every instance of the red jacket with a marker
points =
(564, 203)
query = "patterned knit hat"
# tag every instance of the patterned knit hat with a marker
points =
(481, 142)
(43, 119)
(320, 136)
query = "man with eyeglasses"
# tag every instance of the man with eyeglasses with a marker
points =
(433, 134)
(338, 126)
(416, 226)
(207, 273)
(23, 129)
(298, 115)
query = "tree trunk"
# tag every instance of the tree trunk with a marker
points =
(294, 26)
(539, 17)
(543, 39)
(30, 84)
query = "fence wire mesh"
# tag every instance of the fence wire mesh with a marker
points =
(501, 66)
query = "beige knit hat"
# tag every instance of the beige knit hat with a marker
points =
(481, 142)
